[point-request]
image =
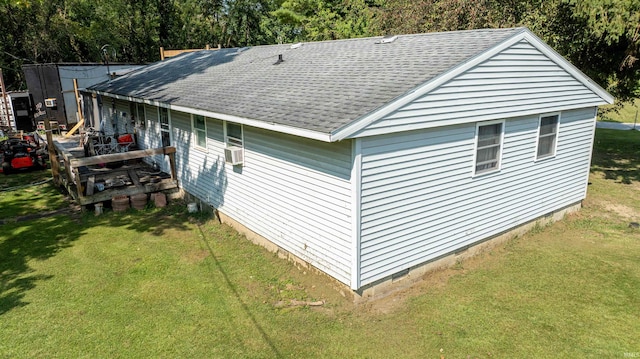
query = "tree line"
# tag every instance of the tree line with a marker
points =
(601, 38)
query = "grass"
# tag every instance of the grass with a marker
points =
(625, 114)
(617, 156)
(162, 283)
(28, 192)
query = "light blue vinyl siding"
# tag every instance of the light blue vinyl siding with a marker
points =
(420, 199)
(150, 137)
(142, 133)
(518, 81)
(293, 191)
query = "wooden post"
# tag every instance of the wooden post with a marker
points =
(80, 118)
(161, 53)
(172, 164)
(53, 158)
(78, 180)
(67, 168)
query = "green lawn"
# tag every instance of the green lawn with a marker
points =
(28, 191)
(625, 114)
(161, 283)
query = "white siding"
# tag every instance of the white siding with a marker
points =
(293, 191)
(420, 199)
(144, 134)
(149, 137)
(518, 81)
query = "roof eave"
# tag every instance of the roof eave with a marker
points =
(350, 130)
(296, 131)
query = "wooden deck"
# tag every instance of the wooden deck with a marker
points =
(100, 178)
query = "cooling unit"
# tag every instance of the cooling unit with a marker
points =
(50, 102)
(233, 155)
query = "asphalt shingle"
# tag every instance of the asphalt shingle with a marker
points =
(320, 86)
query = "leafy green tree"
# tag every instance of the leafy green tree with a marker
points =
(313, 20)
(608, 47)
(600, 37)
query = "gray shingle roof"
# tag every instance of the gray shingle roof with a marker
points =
(320, 86)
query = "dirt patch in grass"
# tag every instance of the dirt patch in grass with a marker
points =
(621, 210)
(430, 282)
(195, 256)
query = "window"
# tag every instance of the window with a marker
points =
(547, 136)
(200, 130)
(164, 127)
(234, 134)
(488, 147)
(234, 153)
(142, 116)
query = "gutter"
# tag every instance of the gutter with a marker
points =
(290, 130)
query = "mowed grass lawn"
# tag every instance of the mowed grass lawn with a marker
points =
(161, 283)
(625, 113)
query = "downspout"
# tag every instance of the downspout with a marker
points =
(356, 211)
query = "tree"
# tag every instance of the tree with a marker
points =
(608, 46)
(600, 37)
(314, 20)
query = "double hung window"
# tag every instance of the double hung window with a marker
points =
(234, 135)
(488, 147)
(165, 127)
(200, 130)
(142, 116)
(547, 136)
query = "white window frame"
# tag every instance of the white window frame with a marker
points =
(555, 134)
(199, 131)
(234, 140)
(500, 151)
(142, 115)
(162, 129)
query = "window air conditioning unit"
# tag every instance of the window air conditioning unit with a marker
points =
(50, 102)
(233, 155)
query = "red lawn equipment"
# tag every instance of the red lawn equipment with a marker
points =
(20, 153)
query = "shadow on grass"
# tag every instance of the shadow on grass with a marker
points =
(617, 154)
(25, 241)
(233, 288)
(23, 192)
(41, 239)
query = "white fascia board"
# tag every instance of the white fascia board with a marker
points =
(359, 124)
(325, 137)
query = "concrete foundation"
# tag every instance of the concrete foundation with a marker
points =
(413, 275)
(407, 277)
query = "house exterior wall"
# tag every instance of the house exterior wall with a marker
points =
(518, 81)
(148, 132)
(421, 200)
(293, 191)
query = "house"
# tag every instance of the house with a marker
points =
(371, 158)
(52, 89)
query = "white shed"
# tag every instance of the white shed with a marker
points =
(369, 158)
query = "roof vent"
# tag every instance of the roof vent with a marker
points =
(388, 39)
(280, 60)
(295, 46)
